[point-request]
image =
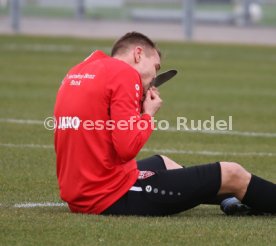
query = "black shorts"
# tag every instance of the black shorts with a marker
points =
(160, 192)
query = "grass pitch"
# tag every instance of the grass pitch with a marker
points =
(219, 80)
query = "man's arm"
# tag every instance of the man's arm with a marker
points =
(125, 106)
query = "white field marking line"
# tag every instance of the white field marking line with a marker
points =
(35, 205)
(237, 133)
(171, 129)
(39, 146)
(20, 121)
(161, 151)
(207, 152)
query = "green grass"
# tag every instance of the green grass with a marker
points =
(219, 80)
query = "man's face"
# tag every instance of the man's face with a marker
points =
(148, 65)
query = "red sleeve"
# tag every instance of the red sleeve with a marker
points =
(125, 105)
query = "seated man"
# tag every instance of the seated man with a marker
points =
(104, 110)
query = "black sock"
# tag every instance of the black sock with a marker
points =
(261, 195)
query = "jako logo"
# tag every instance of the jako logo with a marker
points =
(66, 122)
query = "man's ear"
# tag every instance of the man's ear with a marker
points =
(137, 53)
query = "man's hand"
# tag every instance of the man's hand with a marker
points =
(155, 90)
(152, 102)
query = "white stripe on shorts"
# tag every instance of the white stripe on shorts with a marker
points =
(136, 188)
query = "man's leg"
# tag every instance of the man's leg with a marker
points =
(238, 182)
(217, 200)
(234, 179)
(170, 164)
(172, 191)
(251, 190)
(165, 192)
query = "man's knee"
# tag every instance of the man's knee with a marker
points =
(232, 170)
(234, 176)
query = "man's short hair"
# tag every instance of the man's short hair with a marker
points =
(133, 38)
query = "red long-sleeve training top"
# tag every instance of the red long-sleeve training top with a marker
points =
(94, 154)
